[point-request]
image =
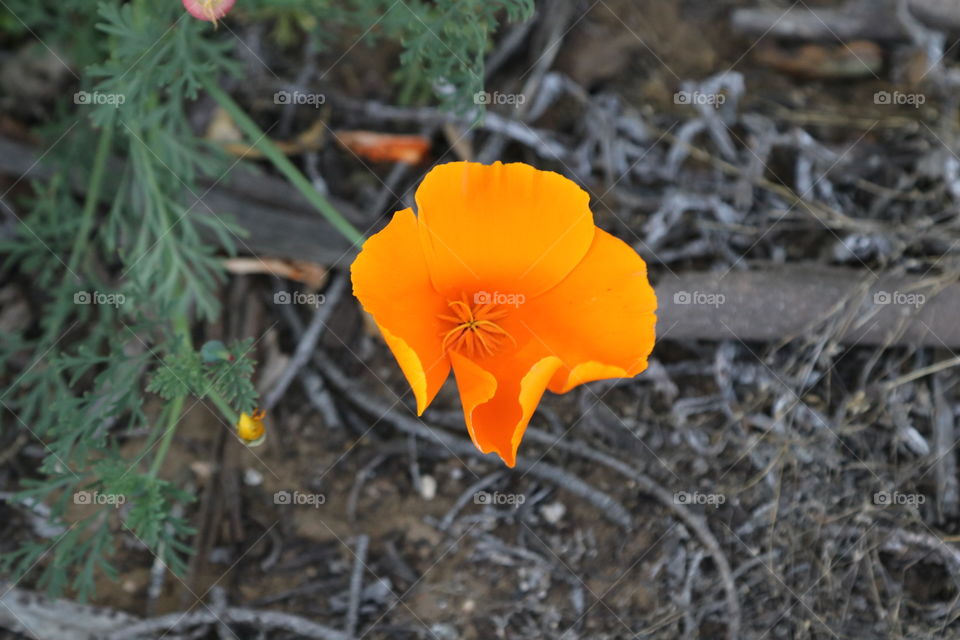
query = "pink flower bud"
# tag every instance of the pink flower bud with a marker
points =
(209, 10)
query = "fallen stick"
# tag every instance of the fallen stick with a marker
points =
(356, 584)
(858, 19)
(945, 459)
(33, 614)
(781, 302)
(36, 616)
(308, 341)
(263, 620)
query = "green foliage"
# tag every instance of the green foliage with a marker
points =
(185, 372)
(445, 41)
(121, 272)
(87, 544)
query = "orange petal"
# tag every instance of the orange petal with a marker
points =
(390, 279)
(600, 321)
(389, 147)
(500, 396)
(501, 227)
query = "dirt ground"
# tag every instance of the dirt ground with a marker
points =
(804, 488)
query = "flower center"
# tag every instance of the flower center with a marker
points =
(475, 327)
(211, 9)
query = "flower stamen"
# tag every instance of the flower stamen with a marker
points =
(476, 331)
(210, 11)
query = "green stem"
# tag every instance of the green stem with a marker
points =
(93, 195)
(182, 328)
(173, 418)
(79, 247)
(280, 161)
(228, 413)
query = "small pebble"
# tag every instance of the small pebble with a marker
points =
(428, 487)
(553, 512)
(252, 478)
(203, 469)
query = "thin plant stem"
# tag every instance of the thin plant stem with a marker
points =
(228, 413)
(93, 195)
(280, 161)
(173, 418)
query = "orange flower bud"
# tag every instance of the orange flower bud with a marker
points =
(250, 428)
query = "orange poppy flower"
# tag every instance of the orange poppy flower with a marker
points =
(503, 277)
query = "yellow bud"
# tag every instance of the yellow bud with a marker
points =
(250, 428)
